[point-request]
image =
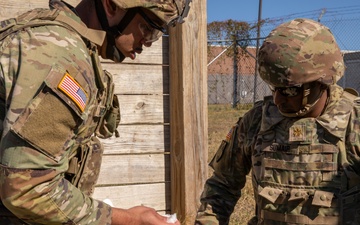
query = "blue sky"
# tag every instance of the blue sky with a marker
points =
(247, 10)
(347, 34)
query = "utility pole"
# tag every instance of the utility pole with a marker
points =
(257, 49)
(235, 68)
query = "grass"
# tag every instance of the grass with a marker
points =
(221, 118)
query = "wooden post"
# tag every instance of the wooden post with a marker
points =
(188, 112)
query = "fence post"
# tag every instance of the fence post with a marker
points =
(235, 68)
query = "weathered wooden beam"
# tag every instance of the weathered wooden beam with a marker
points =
(188, 112)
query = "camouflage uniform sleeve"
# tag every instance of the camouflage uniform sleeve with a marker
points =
(38, 128)
(353, 145)
(231, 164)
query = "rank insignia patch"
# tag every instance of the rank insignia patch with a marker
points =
(297, 133)
(73, 90)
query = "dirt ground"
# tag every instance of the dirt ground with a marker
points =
(221, 118)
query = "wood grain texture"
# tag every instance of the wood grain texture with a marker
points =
(122, 170)
(188, 110)
(12, 8)
(151, 195)
(132, 79)
(144, 109)
(139, 139)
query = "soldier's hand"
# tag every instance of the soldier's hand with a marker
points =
(139, 215)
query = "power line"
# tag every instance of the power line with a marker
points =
(342, 12)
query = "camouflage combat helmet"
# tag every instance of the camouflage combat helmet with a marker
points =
(298, 52)
(169, 11)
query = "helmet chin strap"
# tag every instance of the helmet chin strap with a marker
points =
(112, 52)
(306, 107)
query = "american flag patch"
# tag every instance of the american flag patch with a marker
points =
(73, 90)
(228, 136)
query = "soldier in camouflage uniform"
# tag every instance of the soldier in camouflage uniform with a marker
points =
(56, 101)
(301, 144)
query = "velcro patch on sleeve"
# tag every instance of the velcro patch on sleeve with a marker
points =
(74, 91)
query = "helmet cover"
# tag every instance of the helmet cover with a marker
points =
(169, 11)
(298, 52)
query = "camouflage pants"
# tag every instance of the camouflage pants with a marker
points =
(7, 218)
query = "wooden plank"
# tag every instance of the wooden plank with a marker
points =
(12, 8)
(139, 139)
(152, 195)
(134, 169)
(188, 110)
(144, 109)
(139, 79)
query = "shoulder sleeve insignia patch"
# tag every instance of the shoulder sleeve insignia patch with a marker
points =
(73, 90)
(228, 136)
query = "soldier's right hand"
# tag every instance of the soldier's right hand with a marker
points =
(138, 215)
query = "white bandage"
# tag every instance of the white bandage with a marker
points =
(171, 218)
(108, 201)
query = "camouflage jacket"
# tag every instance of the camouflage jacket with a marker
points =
(54, 97)
(305, 171)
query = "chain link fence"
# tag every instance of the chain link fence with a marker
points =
(232, 78)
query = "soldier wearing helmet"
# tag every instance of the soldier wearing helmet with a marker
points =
(56, 102)
(141, 21)
(301, 144)
(301, 56)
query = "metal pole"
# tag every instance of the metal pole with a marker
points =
(235, 68)
(257, 49)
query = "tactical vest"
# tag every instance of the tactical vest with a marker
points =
(300, 170)
(86, 153)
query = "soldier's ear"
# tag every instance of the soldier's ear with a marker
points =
(113, 12)
(110, 7)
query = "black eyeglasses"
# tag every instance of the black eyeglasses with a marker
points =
(152, 33)
(288, 91)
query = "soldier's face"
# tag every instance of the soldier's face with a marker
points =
(135, 36)
(130, 42)
(290, 100)
(287, 103)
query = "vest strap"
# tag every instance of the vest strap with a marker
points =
(47, 17)
(95, 36)
(299, 219)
